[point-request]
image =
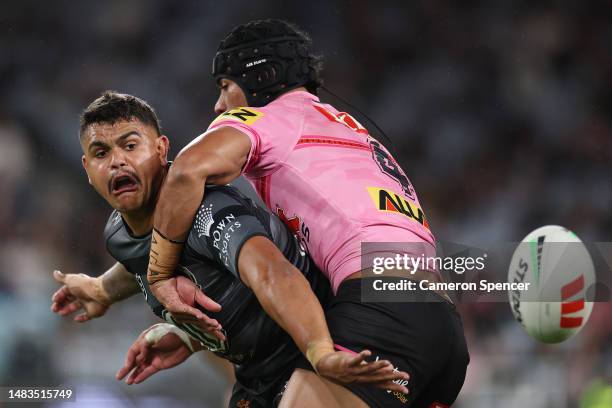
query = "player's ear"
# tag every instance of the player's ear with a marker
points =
(163, 146)
(84, 162)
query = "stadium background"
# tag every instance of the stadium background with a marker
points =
(499, 111)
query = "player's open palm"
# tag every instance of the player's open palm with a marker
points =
(146, 357)
(345, 368)
(181, 297)
(79, 292)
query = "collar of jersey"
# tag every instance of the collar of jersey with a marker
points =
(299, 93)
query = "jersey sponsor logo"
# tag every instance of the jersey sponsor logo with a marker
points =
(389, 201)
(248, 116)
(204, 220)
(222, 233)
(342, 118)
(297, 227)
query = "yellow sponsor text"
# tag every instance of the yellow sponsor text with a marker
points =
(390, 201)
(248, 116)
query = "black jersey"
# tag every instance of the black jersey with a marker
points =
(224, 222)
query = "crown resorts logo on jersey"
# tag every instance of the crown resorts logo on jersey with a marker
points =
(248, 116)
(389, 201)
(204, 220)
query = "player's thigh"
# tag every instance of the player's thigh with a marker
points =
(307, 390)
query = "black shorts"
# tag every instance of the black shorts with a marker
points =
(260, 393)
(423, 337)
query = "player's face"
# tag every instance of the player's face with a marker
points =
(125, 163)
(230, 96)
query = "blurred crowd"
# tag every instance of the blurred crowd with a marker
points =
(500, 113)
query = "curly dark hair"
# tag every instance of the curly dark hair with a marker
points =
(112, 107)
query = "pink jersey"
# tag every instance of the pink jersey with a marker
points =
(328, 180)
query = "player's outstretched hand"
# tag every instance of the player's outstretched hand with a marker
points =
(345, 368)
(146, 357)
(181, 296)
(79, 291)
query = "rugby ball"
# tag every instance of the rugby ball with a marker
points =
(559, 270)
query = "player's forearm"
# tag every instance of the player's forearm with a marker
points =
(179, 199)
(118, 284)
(286, 296)
(174, 212)
(214, 158)
(176, 207)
